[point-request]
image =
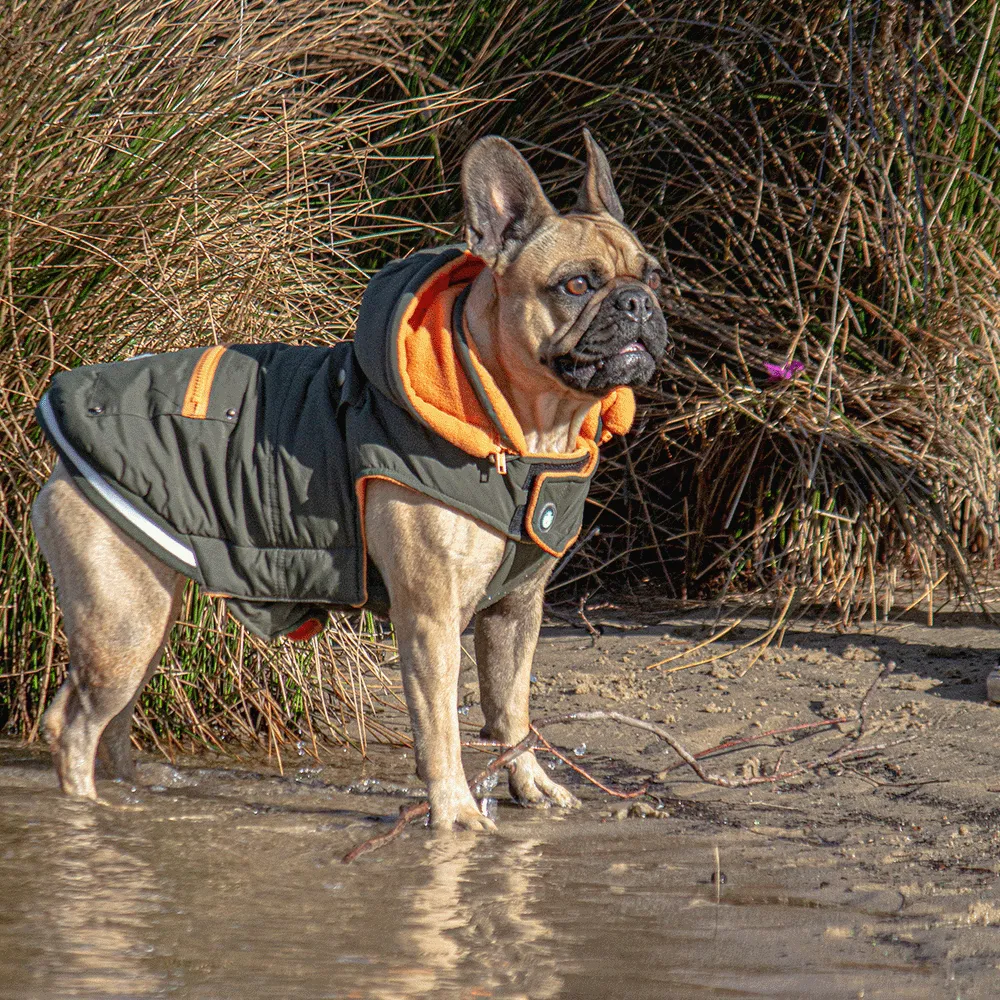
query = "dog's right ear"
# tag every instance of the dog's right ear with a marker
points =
(504, 203)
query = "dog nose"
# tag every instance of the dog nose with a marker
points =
(635, 303)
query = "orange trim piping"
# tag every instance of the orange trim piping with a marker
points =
(529, 514)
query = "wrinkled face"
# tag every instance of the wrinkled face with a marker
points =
(580, 298)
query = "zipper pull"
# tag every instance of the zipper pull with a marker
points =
(500, 461)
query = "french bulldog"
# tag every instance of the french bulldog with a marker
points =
(563, 313)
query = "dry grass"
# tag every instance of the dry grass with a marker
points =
(822, 188)
(815, 177)
(174, 174)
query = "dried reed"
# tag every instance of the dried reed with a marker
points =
(815, 177)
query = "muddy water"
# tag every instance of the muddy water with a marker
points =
(218, 882)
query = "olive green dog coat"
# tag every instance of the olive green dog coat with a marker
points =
(244, 467)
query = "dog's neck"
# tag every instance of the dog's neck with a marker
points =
(549, 417)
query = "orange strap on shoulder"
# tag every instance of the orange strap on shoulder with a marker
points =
(200, 385)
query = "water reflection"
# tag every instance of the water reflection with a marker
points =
(470, 922)
(88, 911)
(231, 887)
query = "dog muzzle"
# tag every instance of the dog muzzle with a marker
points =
(622, 346)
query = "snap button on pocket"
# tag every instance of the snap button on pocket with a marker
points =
(96, 409)
(230, 414)
(547, 516)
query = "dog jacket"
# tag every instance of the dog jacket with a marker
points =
(245, 467)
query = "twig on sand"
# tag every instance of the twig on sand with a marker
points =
(691, 760)
(862, 717)
(753, 738)
(409, 813)
(579, 620)
(863, 707)
(595, 633)
(586, 775)
(855, 738)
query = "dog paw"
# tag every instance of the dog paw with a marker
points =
(474, 820)
(531, 786)
(457, 809)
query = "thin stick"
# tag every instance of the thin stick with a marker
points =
(692, 761)
(595, 634)
(765, 639)
(718, 875)
(407, 814)
(927, 590)
(694, 649)
(589, 777)
(863, 706)
(743, 740)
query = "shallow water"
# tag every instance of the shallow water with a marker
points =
(221, 882)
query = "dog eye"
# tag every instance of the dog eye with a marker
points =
(654, 280)
(577, 286)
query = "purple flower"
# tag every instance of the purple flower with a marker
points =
(783, 372)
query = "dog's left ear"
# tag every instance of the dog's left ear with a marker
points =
(598, 191)
(504, 203)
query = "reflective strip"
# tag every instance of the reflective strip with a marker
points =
(142, 523)
(200, 386)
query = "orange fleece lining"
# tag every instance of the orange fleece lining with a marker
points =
(439, 390)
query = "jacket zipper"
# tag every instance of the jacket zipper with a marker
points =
(500, 461)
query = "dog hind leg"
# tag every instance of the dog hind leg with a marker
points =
(118, 605)
(114, 750)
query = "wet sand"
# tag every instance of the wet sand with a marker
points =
(211, 878)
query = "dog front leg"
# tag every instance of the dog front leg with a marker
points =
(506, 636)
(436, 564)
(430, 656)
